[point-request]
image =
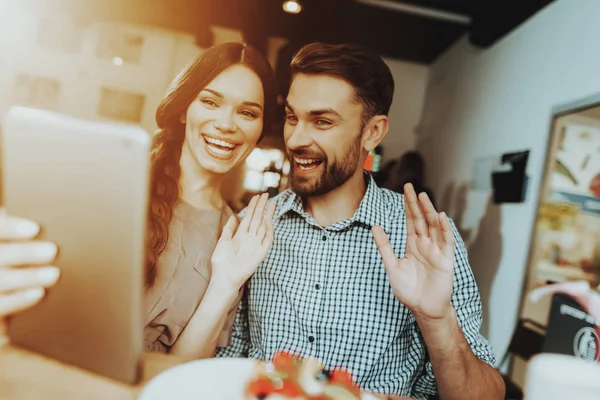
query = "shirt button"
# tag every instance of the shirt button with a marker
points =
(317, 286)
(311, 339)
(324, 238)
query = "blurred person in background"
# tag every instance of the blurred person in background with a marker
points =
(410, 168)
(384, 176)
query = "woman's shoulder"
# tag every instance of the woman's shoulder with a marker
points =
(226, 213)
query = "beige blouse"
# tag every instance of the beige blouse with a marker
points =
(183, 273)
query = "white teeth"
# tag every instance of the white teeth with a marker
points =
(220, 151)
(218, 142)
(305, 160)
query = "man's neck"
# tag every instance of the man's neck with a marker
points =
(339, 204)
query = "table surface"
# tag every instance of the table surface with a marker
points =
(25, 375)
(29, 376)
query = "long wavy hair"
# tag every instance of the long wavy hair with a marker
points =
(168, 141)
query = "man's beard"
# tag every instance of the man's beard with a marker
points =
(332, 176)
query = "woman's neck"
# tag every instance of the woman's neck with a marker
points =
(198, 187)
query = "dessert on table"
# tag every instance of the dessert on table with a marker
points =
(289, 376)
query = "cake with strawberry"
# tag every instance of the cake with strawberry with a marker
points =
(289, 376)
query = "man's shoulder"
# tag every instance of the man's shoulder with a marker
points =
(392, 198)
(280, 199)
(392, 202)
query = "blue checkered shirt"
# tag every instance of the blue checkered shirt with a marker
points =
(324, 293)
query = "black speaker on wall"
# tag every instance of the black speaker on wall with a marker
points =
(510, 180)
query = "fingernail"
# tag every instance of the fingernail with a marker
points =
(45, 250)
(27, 228)
(33, 294)
(49, 274)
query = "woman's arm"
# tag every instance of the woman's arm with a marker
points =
(200, 336)
(236, 257)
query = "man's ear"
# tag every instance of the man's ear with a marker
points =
(374, 132)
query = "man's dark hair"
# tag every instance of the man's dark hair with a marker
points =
(363, 69)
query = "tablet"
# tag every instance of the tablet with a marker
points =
(86, 183)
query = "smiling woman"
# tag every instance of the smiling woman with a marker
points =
(224, 123)
(211, 118)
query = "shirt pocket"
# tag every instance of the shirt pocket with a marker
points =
(202, 264)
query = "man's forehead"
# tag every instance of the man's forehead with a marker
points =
(315, 92)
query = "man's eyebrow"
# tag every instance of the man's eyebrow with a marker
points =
(317, 112)
(324, 111)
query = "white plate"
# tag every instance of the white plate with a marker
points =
(214, 379)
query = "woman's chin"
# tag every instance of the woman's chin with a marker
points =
(216, 166)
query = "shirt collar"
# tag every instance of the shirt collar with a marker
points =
(290, 201)
(372, 210)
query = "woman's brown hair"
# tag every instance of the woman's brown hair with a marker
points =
(168, 141)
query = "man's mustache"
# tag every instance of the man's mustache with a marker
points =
(306, 153)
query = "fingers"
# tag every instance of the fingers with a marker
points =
(269, 235)
(14, 228)
(26, 253)
(257, 218)
(245, 224)
(432, 218)
(270, 213)
(410, 225)
(229, 228)
(412, 203)
(447, 235)
(384, 247)
(19, 301)
(267, 221)
(262, 231)
(268, 224)
(26, 278)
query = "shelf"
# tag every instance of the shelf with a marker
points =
(549, 271)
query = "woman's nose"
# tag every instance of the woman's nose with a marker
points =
(225, 123)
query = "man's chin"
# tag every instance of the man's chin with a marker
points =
(303, 189)
(310, 189)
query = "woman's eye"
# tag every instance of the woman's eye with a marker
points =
(248, 114)
(209, 102)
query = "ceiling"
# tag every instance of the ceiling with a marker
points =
(395, 30)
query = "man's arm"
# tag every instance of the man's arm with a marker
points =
(459, 373)
(424, 281)
(461, 359)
